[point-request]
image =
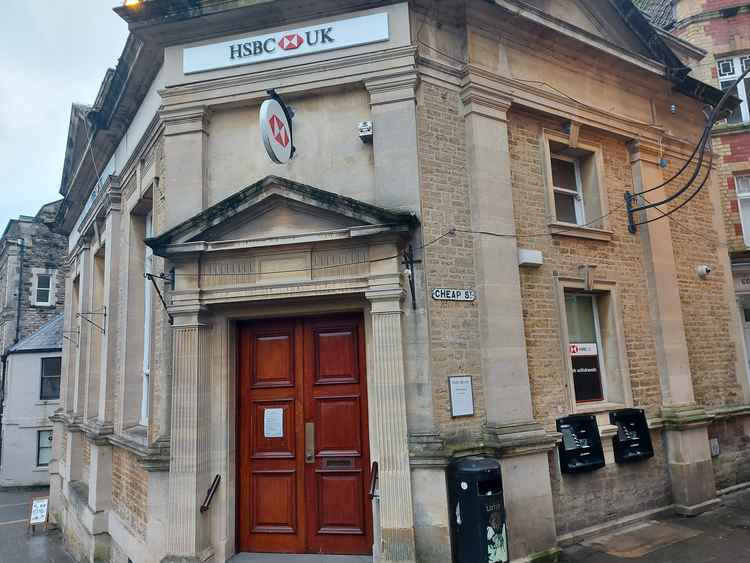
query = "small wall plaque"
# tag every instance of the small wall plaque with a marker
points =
(448, 294)
(273, 423)
(462, 395)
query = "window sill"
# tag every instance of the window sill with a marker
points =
(575, 231)
(40, 469)
(43, 305)
(598, 407)
(46, 402)
(723, 128)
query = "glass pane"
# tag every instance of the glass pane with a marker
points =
(736, 116)
(44, 447)
(587, 378)
(43, 281)
(51, 366)
(726, 67)
(42, 295)
(565, 207)
(745, 216)
(579, 310)
(50, 388)
(747, 315)
(564, 174)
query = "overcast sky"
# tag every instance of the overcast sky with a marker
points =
(52, 54)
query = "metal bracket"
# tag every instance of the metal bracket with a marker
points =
(170, 280)
(629, 197)
(103, 313)
(409, 262)
(76, 332)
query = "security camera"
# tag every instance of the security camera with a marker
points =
(703, 270)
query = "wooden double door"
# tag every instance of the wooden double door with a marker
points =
(302, 438)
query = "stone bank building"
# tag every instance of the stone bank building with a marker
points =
(304, 338)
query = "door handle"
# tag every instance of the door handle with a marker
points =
(309, 442)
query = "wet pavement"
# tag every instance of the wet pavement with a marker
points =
(17, 543)
(718, 536)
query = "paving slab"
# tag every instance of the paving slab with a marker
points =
(718, 536)
(17, 543)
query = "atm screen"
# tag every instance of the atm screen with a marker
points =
(570, 442)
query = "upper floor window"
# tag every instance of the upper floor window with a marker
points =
(43, 288)
(729, 70)
(573, 174)
(50, 387)
(742, 189)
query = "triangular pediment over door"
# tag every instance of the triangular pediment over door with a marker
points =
(278, 211)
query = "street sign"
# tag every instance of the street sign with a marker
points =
(276, 129)
(447, 294)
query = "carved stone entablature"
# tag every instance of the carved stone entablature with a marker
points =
(105, 198)
(278, 238)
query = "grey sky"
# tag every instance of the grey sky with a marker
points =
(52, 53)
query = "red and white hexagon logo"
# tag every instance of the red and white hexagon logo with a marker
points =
(278, 131)
(291, 42)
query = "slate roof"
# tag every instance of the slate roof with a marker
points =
(659, 12)
(48, 337)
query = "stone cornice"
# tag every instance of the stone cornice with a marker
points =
(151, 458)
(685, 417)
(711, 15)
(354, 69)
(185, 120)
(107, 200)
(482, 99)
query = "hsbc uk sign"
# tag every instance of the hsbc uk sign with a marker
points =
(285, 44)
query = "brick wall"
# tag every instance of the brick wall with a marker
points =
(614, 491)
(130, 491)
(619, 261)
(732, 465)
(450, 262)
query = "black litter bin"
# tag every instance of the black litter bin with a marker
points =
(477, 512)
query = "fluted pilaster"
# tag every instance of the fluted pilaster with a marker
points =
(390, 433)
(189, 463)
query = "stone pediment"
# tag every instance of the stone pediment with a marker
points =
(276, 211)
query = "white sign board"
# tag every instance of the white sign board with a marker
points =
(285, 44)
(462, 395)
(447, 294)
(273, 423)
(276, 131)
(39, 507)
(583, 349)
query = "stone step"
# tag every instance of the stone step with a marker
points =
(306, 558)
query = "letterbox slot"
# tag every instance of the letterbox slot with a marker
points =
(339, 463)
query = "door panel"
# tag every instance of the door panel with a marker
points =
(335, 400)
(270, 475)
(298, 378)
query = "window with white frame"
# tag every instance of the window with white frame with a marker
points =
(573, 173)
(585, 346)
(43, 447)
(729, 70)
(50, 384)
(43, 288)
(147, 318)
(742, 189)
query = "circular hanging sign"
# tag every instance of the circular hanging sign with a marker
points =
(276, 131)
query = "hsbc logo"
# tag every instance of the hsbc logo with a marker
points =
(283, 41)
(291, 42)
(287, 43)
(278, 131)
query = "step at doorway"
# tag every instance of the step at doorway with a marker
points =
(307, 558)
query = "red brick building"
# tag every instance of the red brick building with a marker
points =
(721, 28)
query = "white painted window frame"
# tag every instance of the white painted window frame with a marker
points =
(743, 200)
(579, 206)
(147, 321)
(599, 349)
(51, 299)
(739, 64)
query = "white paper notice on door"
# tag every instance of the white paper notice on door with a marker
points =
(273, 423)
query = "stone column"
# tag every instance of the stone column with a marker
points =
(688, 450)
(81, 366)
(387, 400)
(396, 158)
(510, 427)
(111, 298)
(186, 163)
(188, 529)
